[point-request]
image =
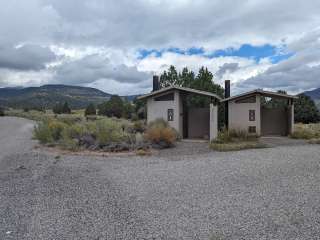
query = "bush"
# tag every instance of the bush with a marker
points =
(90, 110)
(109, 131)
(306, 131)
(112, 108)
(1, 112)
(69, 119)
(160, 133)
(42, 133)
(61, 108)
(235, 140)
(107, 134)
(139, 126)
(305, 110)
(234, 135)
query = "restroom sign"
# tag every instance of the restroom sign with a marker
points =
(170, 114)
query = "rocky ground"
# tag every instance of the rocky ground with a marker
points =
(185, 193)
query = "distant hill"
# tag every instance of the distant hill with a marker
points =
(315, 95)
(48, 95)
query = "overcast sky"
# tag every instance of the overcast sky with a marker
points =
(116, 45)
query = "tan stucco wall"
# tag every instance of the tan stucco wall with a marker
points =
(159, 109)
(239, 115)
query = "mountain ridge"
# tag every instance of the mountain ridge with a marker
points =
(47, 96)
(315, 95)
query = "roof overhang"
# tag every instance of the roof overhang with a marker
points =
(262, 93)
(181, 89)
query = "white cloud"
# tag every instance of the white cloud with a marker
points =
(95, 41)
(299, 73)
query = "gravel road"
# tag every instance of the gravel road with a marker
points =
(255, 194)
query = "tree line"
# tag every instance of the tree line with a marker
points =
(305, 108)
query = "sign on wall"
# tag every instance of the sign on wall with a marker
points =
(170, 114)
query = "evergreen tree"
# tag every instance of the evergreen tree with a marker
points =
(90, 110)
(203, 81)
(169, 78)
(1, 112)
(140, 108)
(57, 108)
(305, 110)
(66, 109)
(112, 108)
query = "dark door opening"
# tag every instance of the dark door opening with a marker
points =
(274, 121)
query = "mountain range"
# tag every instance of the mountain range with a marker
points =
(315, 95)
(77, 97)
(48, 95)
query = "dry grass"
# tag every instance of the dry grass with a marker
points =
(160, 131)
(306, 131)
(236, 146)
(314, 141)
(235, 140)
(142, 152)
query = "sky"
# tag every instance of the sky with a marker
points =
(117, 45)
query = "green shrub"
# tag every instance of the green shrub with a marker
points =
(159, 131)
(69, 119)
(49, 131)
(42, 133)
(56, 128)
(139, 126)
(90, 110)
(234, 135)
(1, 112)
(68, 141)
(109, 131)
(235, 140)
(61, 108)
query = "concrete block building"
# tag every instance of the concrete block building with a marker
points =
(243, 112)
(168, 104)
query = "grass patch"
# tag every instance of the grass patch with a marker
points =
(314, 141)
(306, 131)
(235, 140)
(142, 152)
(236, 146)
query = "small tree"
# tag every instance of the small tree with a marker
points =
(66, 109)
(140, 108)
(305, 110)
(57, 108)
(113, 108)
(1, 112)
(90, 110)
(128, 110)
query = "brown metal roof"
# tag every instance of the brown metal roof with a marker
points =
(183, 89)
(260, 92)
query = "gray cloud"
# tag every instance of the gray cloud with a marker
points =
(95, 67)
(27, 57)
(227, 67)
(143, 23)
(128, 25)
(300, 72)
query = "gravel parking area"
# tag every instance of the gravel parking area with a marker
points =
(271, 193)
